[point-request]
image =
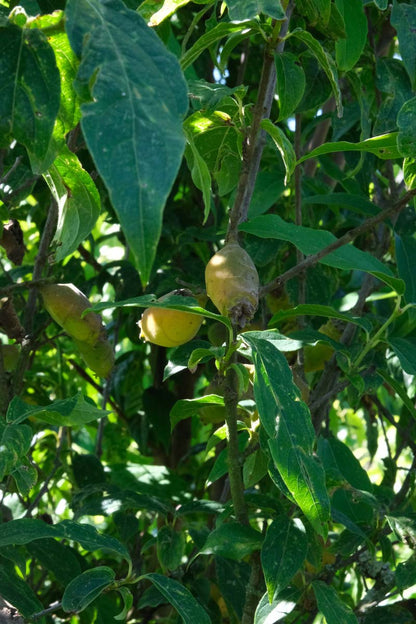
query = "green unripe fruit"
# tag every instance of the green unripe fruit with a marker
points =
(169, 328)
(232, 283)
(99, 357)
(66, 304)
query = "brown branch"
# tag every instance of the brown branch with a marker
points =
(340, 242)
(256, 139)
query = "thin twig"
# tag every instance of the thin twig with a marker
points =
(255, 142)
(340, 242)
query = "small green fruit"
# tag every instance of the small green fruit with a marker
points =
(232, 283)
(169, 328)
(99, 357)
(66, 304)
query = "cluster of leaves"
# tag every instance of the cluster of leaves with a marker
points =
(261, 477)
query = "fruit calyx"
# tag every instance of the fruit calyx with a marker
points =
(232, 283)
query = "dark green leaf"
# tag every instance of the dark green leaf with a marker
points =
(383, 146)
(248, 9)
(405, 349)
(283, 553)
(75, 411)
(340, 463)
(83, 589)
(185, 408)
(315, 309)
(58, 558)
(283, 145)
(349, 50)
(15, 443)
(288, 424)
(181, 598)
(149, 95)
(325, 60)
(290, 83)
(30, 93)
(406, 573)
(170, 547)
(403, 19)
(356, 203)
(331, 605)
(310, 241)
(406, 121)
(14, 589)
(77, 199)
(233, 541)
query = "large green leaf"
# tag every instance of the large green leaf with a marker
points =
(15, 442)
(405, 349)
(181, 598)
(325, 60)
(155, 11)
(403, 19)
(170, 547)
(63, 413)
(25, 530)
(341, 464)
(331, 605)
(310, 241)
(349, 50)
(232, 540)
(30, 91)
(248, 9)
(287, 422)
(18, 593)
(290, 83)
(283, 145)
(383, 146)
(77, 199)
(83, 589)
(139, 98)
(283, 553)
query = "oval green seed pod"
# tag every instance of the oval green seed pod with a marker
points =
(99, 357)
(66, 303)
(232, 283)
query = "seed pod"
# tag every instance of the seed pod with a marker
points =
(99, 357)
(232, 283)
(169, 328)
(65, 303)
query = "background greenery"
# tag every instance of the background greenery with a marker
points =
(263, 474)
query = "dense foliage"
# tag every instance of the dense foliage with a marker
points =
(263, 471)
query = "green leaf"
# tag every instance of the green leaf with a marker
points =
(30, 93)
(268, 613)
(149, 95)
(212, 36)
(314, 309)
(383, 146)
(409, 172)
(179, 597)
(283, 145)
(349, 50)
(405, 255)
(58, 558)
(340, 464)
(310, 241)
(405, 349)
(25, 530)
(399, 390)
(18, 593)
(25, 476)
(403, 19)
(316, 11)
(168, 8)
(127, 598)
(406, 120)
(75, 411)
(406, 573)
(287, 422)
(200, 173)
(77, 199)
(86, 587)
(356, 203)
(325, 60)
(290, 83)
(331, 605)
(185, 408)
(233, 541)
(170, 547)
(283, 553)
(15, 440)
(248, 9)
